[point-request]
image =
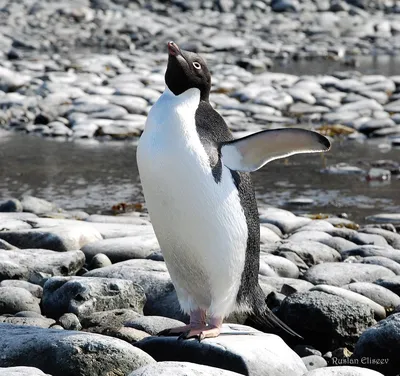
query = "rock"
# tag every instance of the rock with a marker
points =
(326, 321)
(281, 266)
(153, 324)
(314, 362)
(391, 283)
(339, 274)
(11, 205)
(392, 238)
(368, 239)
(22, 371)
(309, 235)
(35, 290)
(305, 350)
(377, 293)
(68, 353)
(41, 322)
(343, 168)
(393, 106)
(16, 299)
(70, 321)
(58, 239)
(342, 371)
(27, 263)
(122, 249)
(154, 278)
(37, 205)
(127, 219)
(268, 236)
(286, 221)
(383, 261)
(380, 346)
(83, 296)
(284, 5)
(100, 260)
(252, 350)
(279, 284)
(338, 243)
(372, 251)
(379, 310)
(385, 217)
(180, 369)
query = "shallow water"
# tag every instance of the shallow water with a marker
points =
(93, 176)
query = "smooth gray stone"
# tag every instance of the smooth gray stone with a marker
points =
(14, 225)
(37, 205)
(22, 371)
(128, 219)
(69, 321)
(11, 205)
(181, 369)
(83, 295)
(239, 349)
(314, 362)
(35, 290)
(281, 266)
(392, 238)
(378, 294)
(122, 249)
(385, 217)
(326, 321)
(393, 106)
(311, 235)
(154, 278)
(18, 216)
(368, 239)
(60, 239)
(68, 353)
(338, 243)
(279, 284)
(373, 250)
(381, 342)
(41, 322)
(343, 371)
(379, 310)
(375, 124)
(304, 108)
(391, 283)
(16, 299)
(383, 261)
(339, 274)
(153, 324)
(100, 260)
(286, 221)
(319, 225)
(268, 236)
(27, 263)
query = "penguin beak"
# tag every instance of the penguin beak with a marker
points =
(173, 49)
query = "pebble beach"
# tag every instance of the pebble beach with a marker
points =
(85, 291)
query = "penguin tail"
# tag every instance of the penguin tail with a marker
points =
(266, 320)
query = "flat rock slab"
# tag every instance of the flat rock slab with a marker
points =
(122, 249)
(26, 263)
(22, 371)
(343, 371)
(59, 239)
(68, 353)
(180, 369)
(85, 295)
(239, 349)
(339, 274)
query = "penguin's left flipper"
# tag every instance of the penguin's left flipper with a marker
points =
(250, 153)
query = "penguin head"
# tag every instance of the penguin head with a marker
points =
(187, 70)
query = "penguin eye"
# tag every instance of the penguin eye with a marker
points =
(197, 65)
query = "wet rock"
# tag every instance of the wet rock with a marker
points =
(391, 283)
(154, 278)
(35, 290)
(37, 205)
(314, 362)
(326, 321)
(11, 205)
(379, 310)
(82, 296)
(153, 324)
(69, 321)
(237, 353)
(26, 264)
(381, 342)
(339, 274)
(121, 249)
(377, 293)
(68, 352)
(16, 299)
(22, 371)
(59, 239)
(181, 369)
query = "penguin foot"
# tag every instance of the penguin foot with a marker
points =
(179, 330)
(201, 333)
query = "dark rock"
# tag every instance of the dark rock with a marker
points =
(12, 205)
(243, 349)
(326, 321)
(68, 353)
(16, 299)
(391, 283)
(83, 296)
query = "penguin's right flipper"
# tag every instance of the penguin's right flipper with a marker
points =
(250, 153)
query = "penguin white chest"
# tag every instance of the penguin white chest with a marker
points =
(199, 223)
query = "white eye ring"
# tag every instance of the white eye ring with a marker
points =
(197, 65)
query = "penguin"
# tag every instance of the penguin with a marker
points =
(199, 194)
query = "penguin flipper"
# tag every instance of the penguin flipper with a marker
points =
(250, 153)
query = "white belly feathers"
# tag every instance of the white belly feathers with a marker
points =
(200, 224)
